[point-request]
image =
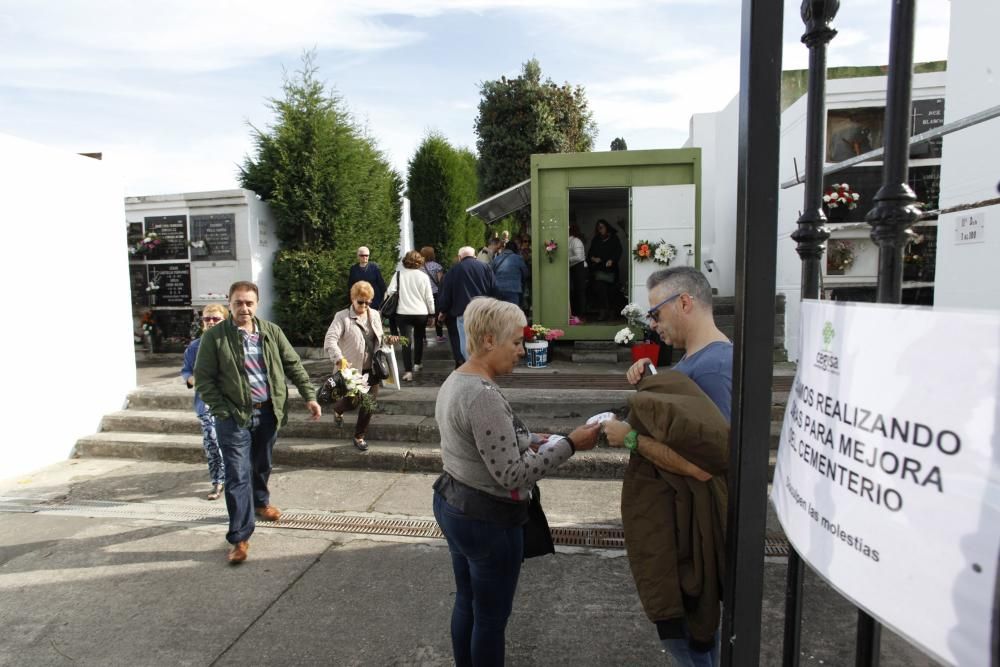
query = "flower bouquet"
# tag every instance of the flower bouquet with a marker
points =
(643, 251)
(840, 194)
(538, 333)
(839, 257)
(550, 249)
(347, 382)
(665, 253)
(147, 245)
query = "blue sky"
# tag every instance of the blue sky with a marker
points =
(165, 88)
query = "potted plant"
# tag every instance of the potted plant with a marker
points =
(536, 344)
(637, 334)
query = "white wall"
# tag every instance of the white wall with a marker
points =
(263, 245)
(841, 94)
(971, 160)
(67, 334)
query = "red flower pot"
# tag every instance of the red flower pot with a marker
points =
(645, 351)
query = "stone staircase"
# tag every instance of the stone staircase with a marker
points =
(159, 423)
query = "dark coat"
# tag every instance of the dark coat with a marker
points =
(371, 274)
(606, 249)
(463, 283)
(675, 526)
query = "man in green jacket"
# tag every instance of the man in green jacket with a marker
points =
(241, 373)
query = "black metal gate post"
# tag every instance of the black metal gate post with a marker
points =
(756, 243)
(891, 219)
(810, 237)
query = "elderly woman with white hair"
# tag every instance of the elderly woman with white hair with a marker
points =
(491, 464)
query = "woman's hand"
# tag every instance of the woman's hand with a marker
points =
(585, 437)
(615, 431)
(392, 340)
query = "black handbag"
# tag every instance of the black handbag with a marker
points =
(332, 388)
(537, 536)
(380, 367)
(389, 305)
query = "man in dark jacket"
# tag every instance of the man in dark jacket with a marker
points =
(368, 271)
(463, 283)
(241, 372)
(680, 300)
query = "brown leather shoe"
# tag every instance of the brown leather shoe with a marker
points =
(268, 513)
(238, 553)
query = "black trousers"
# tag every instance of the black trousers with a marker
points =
(453, 340)
(413, 327)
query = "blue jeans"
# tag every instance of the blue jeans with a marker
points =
(460, 322)
(247, 455)
(210, 443)
(681, 654)
(486, 558)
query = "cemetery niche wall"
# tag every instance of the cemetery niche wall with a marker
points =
(184, 252)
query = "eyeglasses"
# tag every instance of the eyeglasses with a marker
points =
(362, 302)
(360, 255)
(654, 312)
(213, 320)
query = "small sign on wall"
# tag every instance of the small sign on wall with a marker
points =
(970, 228)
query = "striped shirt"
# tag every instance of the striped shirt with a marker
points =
(253, 355)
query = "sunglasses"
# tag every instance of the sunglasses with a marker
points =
(211, 319)
(654, 312)
(362, 255)
(362, 302)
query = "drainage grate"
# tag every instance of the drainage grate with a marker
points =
(596, 537)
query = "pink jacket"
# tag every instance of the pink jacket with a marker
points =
(346, 337)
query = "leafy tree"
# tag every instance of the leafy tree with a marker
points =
(525, 115)
(441, 184)
(330, 189)
(618, 144)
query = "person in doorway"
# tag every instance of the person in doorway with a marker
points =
(680, 311)
(577, 258)
(370, 272)
(491, 465)
(354, 334)
(466, 280)
(242, 370)
(211, 315)
(416, 304)
(510, 273)
(605, 256)
(435, 272)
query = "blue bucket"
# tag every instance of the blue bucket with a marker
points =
(537, 354)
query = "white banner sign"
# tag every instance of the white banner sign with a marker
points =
(888, 474)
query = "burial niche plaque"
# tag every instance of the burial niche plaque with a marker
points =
(174, 281)
(137, 279)
(213, 237)
(172, 230)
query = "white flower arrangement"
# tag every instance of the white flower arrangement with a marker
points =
(624, 336)
(633, 313)
(840, 194)
(665, 253)
(355, 381)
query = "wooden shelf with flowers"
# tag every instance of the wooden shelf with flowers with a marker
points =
(536, 344)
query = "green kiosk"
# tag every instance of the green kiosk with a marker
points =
(613, 200)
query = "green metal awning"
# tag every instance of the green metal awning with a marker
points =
(503, 203)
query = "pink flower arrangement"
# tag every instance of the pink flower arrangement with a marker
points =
(539, 333)
(550, 249)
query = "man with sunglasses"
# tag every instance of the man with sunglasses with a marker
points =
(370, 272)
(680, 300)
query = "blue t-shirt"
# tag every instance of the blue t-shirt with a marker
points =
(711, 368)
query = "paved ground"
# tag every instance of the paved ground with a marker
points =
(102, 564)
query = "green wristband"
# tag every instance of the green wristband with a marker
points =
(632, 441)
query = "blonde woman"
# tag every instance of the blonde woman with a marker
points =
(491, 463)
(211, 315)
(354, 335)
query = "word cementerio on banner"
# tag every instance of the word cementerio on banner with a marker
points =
(886, 482)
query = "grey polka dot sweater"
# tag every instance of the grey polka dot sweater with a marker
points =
(485, 445)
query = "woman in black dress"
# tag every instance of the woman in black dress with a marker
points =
(604, 257)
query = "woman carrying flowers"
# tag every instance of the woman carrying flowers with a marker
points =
(354, 335)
